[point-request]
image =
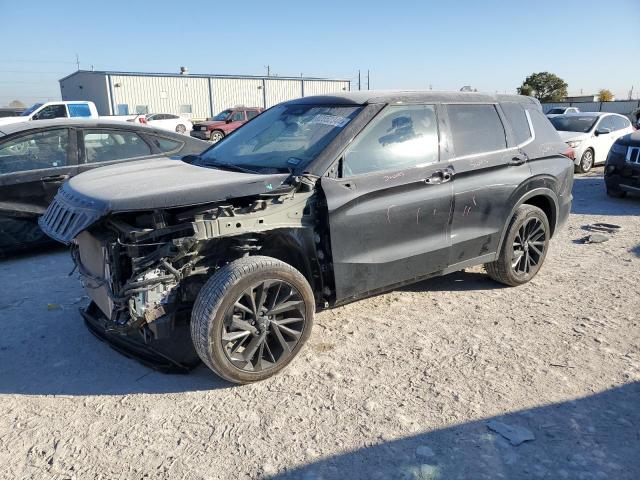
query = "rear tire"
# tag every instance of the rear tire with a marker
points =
(524, 248)
(181, 128)
(251, 318)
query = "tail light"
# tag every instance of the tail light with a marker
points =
(142, 119)
(570, 153)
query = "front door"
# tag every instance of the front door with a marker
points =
(389, 210)
(32, 168)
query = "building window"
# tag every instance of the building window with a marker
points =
(123, 109)
(142, 109)
(185, 109)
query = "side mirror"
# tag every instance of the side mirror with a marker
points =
(228, 120)
(602, 131)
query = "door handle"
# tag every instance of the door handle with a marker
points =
(518, 159)
(440, 176)
(55, 178)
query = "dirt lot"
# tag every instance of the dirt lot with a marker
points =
(403, 385)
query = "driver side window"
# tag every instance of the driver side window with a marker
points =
(402, 136)
(51, 111)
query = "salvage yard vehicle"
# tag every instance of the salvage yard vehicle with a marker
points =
(167, 121)
(591, 135)
(554, 112)
(37, 157)
(224, 123)
(317, 202)
(622, 169)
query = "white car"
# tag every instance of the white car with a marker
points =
(167, 121)
(591, 135)
(554, 112)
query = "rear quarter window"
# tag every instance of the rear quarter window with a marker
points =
(517, 118)
(476, 129)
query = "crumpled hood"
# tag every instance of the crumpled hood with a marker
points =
(162, 183)
(567, 136)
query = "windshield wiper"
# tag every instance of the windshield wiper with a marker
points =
(229, 166)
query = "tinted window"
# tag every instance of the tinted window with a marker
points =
(222, 115)
(518, 120)
(621, 123)
(123, 109)
(38, 150)
(556, 111)
(476, 129)
(608, 123)
(574, 123)
(51, 111)
(237, 117)
(252, 114)
(105, 145)
(400, 137)
(79, 110)
(166, 145)
(172, 117)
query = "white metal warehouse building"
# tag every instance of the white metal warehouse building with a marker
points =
(195, 96)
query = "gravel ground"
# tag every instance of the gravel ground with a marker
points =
(403, 385)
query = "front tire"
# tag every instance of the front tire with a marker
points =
(251, 318)
(216, 136)
(586, 161)
(524, 248)
(616, 193)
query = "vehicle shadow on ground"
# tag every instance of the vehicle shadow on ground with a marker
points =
(455, 282)
(590, 198)
(595, 437)
(45, 347)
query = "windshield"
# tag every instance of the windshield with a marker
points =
(556, 110)
(566, 123)
(31, 109)
(283, 138)
(221, 116)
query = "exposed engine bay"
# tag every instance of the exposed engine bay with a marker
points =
(143, 270)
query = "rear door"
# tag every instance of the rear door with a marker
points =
(32, 168)
(389, 210)
(489, 167)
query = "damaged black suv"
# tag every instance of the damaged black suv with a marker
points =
(317, 202)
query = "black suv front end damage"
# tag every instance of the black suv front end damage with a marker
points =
(143, 269)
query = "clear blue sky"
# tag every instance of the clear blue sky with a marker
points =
(491, 45)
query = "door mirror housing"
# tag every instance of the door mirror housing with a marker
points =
(602, 131)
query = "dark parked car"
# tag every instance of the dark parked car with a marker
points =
(36, 158)
(317, 202)
(622, 169)
(224, 123)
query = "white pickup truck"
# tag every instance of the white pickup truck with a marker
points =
(49, 110)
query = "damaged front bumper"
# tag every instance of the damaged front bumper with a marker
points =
(169, 355)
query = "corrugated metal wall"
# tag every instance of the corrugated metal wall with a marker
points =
(84, 86)
(162, 94)
(231, 92)
(321, 87)
(281, 90)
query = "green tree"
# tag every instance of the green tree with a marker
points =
(17, 104)
(605, 95)
(545, 86)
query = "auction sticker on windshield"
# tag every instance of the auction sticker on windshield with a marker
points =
(333, 120)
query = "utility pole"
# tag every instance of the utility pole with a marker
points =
(359, 80)
(631, 93)
(367, 79)
(268, 70)
(77, 62)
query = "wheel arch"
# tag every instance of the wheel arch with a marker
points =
(543, 198)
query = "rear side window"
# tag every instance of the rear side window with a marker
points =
(620, 123)
(238, 117)
(476, 129)
(79, 110)
(518, 120)
(252, 114)
(400, 137)
(106, 145)
(46, 149)
(167, 145)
